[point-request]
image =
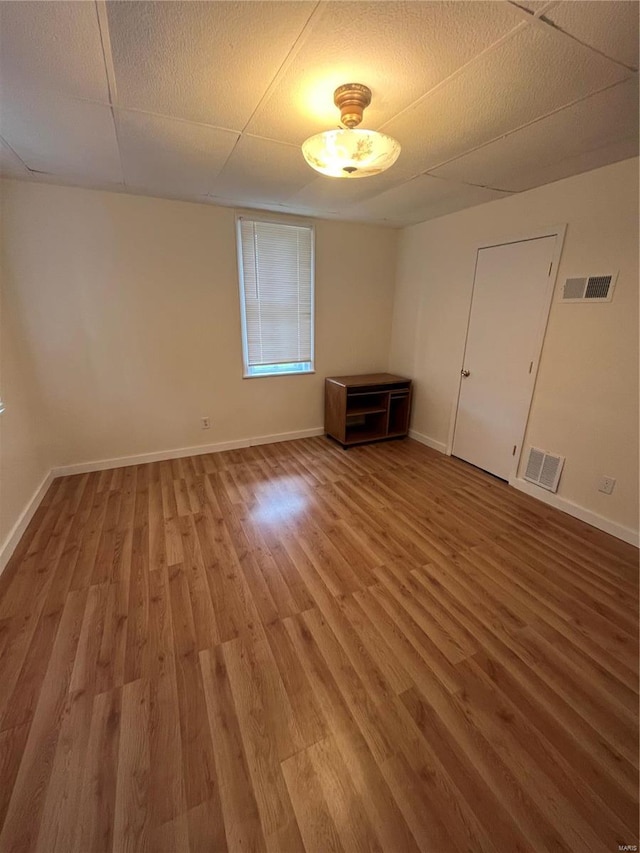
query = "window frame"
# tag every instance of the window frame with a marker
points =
(246, 367)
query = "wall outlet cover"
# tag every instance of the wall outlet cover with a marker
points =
(606, 485)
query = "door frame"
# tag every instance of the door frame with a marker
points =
(559, 232)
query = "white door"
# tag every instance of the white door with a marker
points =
(511, 295)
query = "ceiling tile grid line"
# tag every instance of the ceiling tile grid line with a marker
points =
(529, 14)
(544, 8)
(178, 119)
(526, 125)
(288, 59)
(291, 145)
(543, 21)
(297, 45)
(161, 152)
(604, 123)
(105, 43)
(610, 28)
(558, 164)
(463, 69)
(228, 158)
(529, 20)
(471, 184)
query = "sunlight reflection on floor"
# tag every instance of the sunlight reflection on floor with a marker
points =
(279, 499)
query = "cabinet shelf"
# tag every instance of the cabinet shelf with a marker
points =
(372, 407)
(365, 410)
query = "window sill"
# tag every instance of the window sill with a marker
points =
(275, 375)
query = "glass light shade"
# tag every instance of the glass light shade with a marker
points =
(350, 153)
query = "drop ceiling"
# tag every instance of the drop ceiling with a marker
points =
(209, 101)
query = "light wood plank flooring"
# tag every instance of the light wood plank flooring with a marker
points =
(295, 647)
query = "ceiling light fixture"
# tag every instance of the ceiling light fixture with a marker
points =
(349, 153)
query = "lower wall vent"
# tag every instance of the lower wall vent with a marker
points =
(544, 469)
(592, 288)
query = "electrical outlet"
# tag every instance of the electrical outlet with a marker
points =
(606, 485)
(205, 423)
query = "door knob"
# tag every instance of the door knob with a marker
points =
(465, 372)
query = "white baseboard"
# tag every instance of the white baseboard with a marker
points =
(286, 436)
(180, 452)
(440, 446)
(577, 511)
(9, 545)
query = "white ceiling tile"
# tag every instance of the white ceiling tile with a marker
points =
(62, 136)
(260, 170)
(520, 160)
(420, 199)
(53, 46)
(320, 213)
(325, 193)
(170, 155)
(274, 207)
(529, 75)
(399, 49)
(604, 156)
(11, 166)
(610, 27)
(207, 62)
(79, 181)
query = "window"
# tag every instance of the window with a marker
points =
(275, 265)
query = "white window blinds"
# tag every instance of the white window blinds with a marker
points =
(276, 292)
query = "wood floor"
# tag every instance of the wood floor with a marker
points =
(295, 647)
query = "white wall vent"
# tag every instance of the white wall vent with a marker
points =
(592, 288)
(544, 469)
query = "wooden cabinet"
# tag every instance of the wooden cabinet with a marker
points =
(358, 409)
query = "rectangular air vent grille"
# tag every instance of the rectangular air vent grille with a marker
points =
(592, 288)
(544, 469)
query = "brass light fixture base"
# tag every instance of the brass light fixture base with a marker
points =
(351, 99)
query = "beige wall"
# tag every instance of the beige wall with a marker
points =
(24, 455)
(585, 403)
(130, 309)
